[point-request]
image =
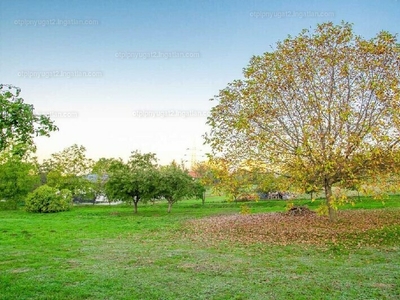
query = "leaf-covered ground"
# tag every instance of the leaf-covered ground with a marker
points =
(358, 228)
(108, 252)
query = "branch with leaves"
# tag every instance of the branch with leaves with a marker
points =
(18, 122)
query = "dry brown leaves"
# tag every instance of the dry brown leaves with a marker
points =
(360, 227)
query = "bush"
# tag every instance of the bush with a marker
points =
(8, 204)
(46, 199)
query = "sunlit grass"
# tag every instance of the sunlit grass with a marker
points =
(107, 252)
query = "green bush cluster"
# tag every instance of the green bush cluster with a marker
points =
(46, 199)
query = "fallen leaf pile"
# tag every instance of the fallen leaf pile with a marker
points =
(300, 211)
(360, 227)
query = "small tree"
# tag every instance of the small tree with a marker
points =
(176, 184)
(198, 190)
(133, 181)
(204, 174)
(101, 171)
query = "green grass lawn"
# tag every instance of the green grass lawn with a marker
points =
(107, 252)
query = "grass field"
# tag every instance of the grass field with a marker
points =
(107, 252)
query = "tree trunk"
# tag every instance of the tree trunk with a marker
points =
(169, 206)
(328, 196)
(203, 200)
(135, 206)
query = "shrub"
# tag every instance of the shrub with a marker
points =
(46, 199)
(8, 204)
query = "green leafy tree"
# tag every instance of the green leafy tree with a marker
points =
(17, 179)
(270, 182)
(230, 181)
(18, 122)
(133, 181)
(204, 175)
(176, 184)
(322, 108)
(198, 190)
(68, 170)
(71, 160)
(101, 171)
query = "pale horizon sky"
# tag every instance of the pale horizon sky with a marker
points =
(118, 76)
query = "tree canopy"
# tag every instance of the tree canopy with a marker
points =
(176, 184)
(17, 179)
(323, 108)
(133, 181)
(68, 169)
(18, 122)
(101, 171)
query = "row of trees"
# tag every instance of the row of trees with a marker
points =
(252, 181)
(67, 172)
(140, 179)
(247, 182)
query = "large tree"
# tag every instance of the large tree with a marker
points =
(322, 108)
(18, 122)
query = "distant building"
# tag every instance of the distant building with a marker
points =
(94, 177)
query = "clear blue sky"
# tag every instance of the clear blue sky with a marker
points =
(157, 104)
